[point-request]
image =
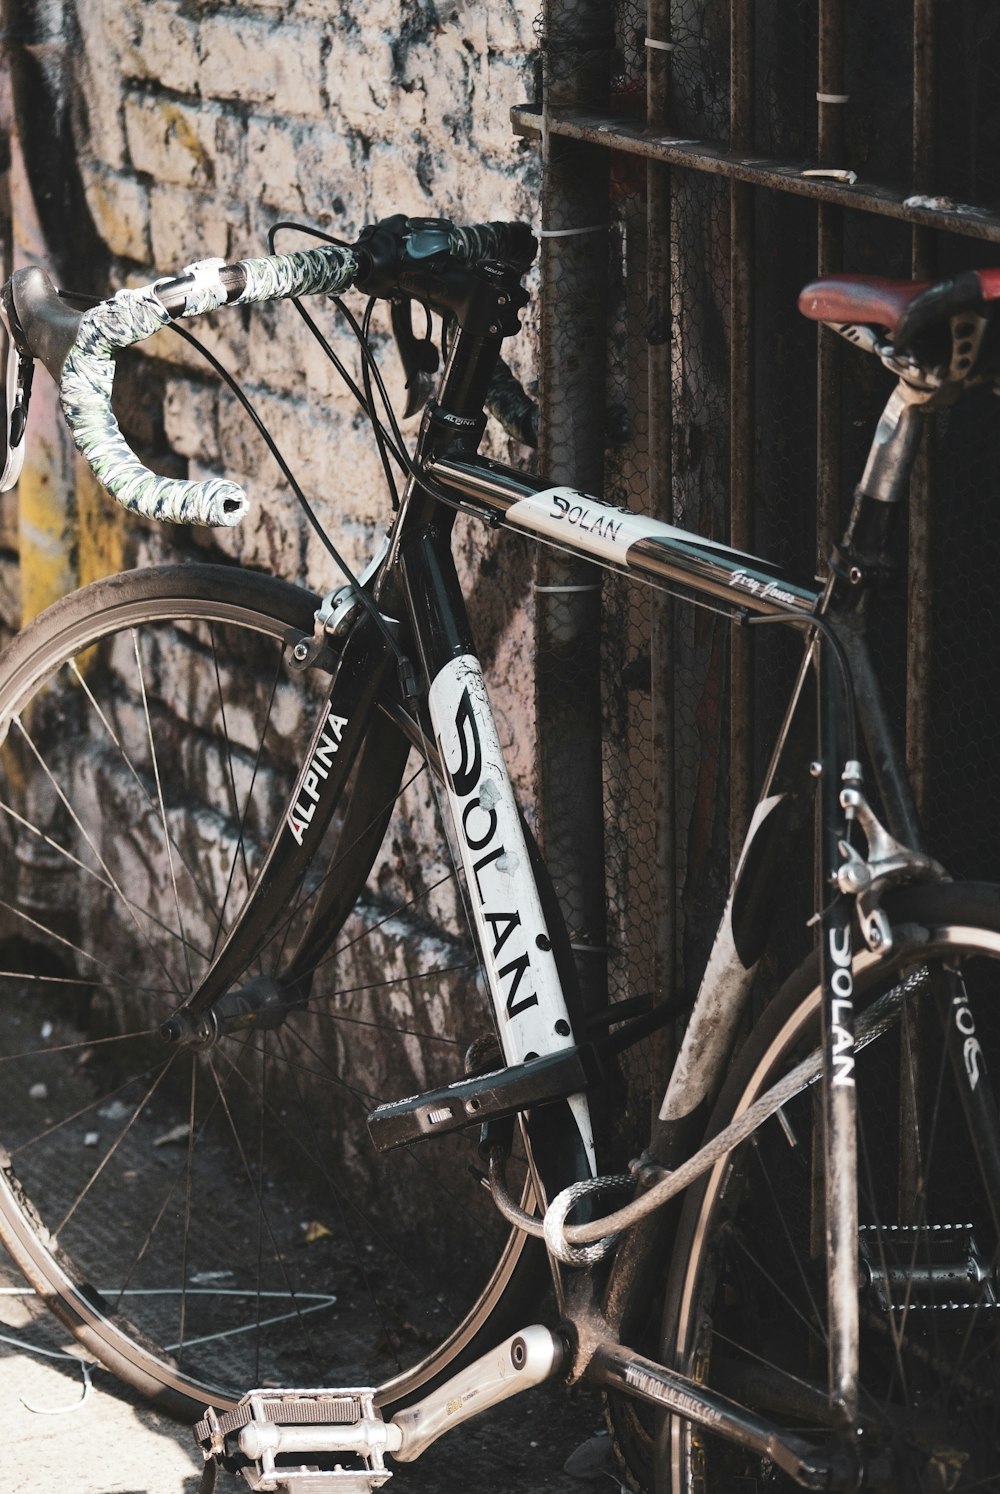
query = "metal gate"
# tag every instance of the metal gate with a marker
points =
(701, 161)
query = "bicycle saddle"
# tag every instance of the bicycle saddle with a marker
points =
(912, 312)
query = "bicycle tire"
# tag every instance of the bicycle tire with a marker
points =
(745, 1300)
(166, 810)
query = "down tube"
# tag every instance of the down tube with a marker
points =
(518, 947)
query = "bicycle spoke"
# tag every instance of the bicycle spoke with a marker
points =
(239, 853)
(114, 1148)
(282, 929)
(112, 882)
(929, 1257)
(194, 1136)
(68, 1120)
(89, 871)
(33, 978)
(780, 1292)
(157, 846)
(339, 1195)
(263, 1218)
(126, 759)
(815, 1313)
(359, 1255)
(163, 813)
(188, 1201)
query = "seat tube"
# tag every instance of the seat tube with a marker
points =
(839, 1097)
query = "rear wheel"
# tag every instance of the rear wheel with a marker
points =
(209, 1221)
(746, 1301)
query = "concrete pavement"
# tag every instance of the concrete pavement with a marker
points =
(59, 1440)
(61, 1436)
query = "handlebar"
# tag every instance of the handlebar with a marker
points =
(414, 257)
(132, 315)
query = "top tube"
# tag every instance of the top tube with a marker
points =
(644, 547)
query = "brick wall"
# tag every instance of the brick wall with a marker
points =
(148, 133)
(188, 129)
(193, 128)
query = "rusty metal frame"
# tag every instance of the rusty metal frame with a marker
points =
(588, 123)
(617, 133)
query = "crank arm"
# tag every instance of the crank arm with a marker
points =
(317, 1426)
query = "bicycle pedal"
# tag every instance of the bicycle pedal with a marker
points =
(483, 1097)
(302, 1441)
(929, 1268)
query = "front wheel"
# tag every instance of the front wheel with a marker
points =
(207, 1221)
(746, 1296)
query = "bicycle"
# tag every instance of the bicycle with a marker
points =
(817, 1209)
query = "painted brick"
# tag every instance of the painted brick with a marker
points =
(361, 81)
(118, 30)
(120, 209)
(271, 536)
(337, 467)
(161, 44)
(100, 29)
(223, 334)
(465, 26)
(302, 168)
(188, 146)
(282, 355)
(189, 225)
(263, 62)
(505, 82)
(190, 413)
(230, 56)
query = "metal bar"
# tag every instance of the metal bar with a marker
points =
(634, 543)
(659, 374)
(840, 1143)
(881, 745)
(616, 133)
(829, 259)
(741, 414)
(576, 53)
(914, 1034)
(831, 101)
(919, 575)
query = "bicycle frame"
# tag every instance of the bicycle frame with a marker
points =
(659, 554)
(533, 1011)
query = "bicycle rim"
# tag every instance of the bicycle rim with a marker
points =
(746, 1306)
(208, 1221)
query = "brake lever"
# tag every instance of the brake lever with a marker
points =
(419, 357)
(19, 375)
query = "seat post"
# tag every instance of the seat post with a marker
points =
(894, 446)
(863, 553)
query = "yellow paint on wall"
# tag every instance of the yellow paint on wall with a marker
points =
(46, 506)
(101, 528)
(45, 533)
(178, 127)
